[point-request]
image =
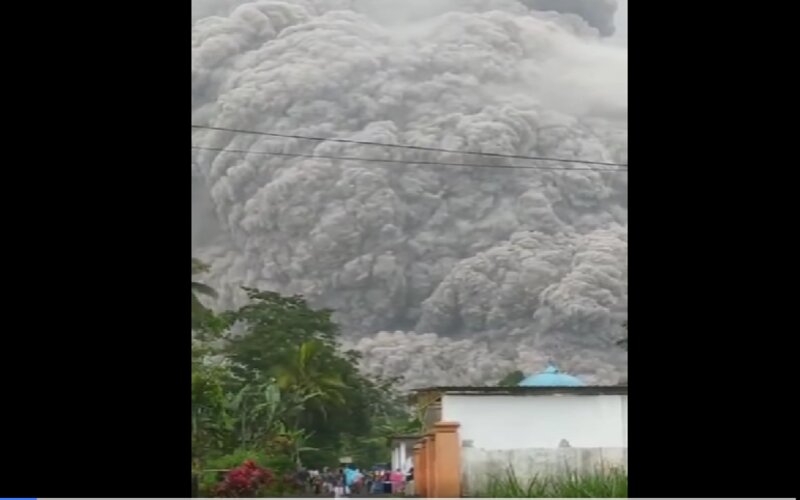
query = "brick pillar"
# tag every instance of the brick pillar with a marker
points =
(447, 449)
(420, 469)
(430, 466)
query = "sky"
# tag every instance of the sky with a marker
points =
(621, 22)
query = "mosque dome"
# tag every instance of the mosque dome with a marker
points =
(551, 377)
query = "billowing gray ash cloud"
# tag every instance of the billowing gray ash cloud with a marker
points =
(598, 14)
(493, 268)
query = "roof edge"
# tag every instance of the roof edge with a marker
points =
(584, 390)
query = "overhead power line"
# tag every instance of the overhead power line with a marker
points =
(407, 162)
(417, 148)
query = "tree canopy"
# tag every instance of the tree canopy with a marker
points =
(270, 380)
(512, 379)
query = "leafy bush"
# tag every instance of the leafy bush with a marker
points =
(249, 480)
(237, 457)
(210, 478)
(280, 464)
(280, 467)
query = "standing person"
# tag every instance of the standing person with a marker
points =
(339, 485)
(328, 480)
(397, 478)
(357, 480)
(377, 483)
(361, 480)
(316, 482)
(387, 481)
(350, 477)
(302, 478)
(368, 481)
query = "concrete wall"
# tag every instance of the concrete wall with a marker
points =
(625, 421)
(511, 422)
(479, 465)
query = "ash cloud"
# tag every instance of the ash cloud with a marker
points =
(599, 14)
(507, 267)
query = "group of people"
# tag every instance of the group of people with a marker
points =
(387, 481)
(352, 481)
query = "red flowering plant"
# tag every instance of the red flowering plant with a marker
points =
(248, 480)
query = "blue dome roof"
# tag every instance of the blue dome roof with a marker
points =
(551, 377)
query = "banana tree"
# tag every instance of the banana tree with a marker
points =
(261, 410)
(295, 441)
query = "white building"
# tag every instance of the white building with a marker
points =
(539, 418)
(549, 424)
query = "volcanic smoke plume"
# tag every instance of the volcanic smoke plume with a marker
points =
(496, 269)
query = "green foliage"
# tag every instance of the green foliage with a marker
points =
(216, 467)
(512, 379)
(366, 450)
(282, 391)
(375, 447)
(276, 326)
(237, 457)
(298, 346)
(259, 410)
(210, 419)
(293, 442)
(307, 374)
(600, 484)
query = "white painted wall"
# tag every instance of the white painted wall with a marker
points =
(624, 410)
(396, 460)
(402, 455)
(496, 422)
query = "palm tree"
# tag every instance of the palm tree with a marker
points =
(204, 322)
(198, 309)
(197, 287)
(261, 410)
(306, 373)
